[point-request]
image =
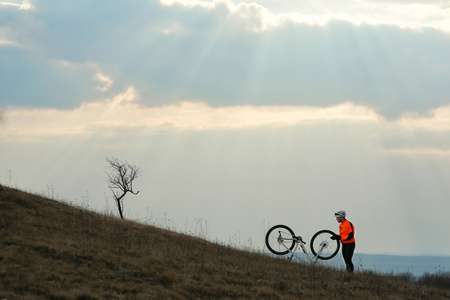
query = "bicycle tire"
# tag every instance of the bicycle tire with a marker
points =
(279, 239)
(332, 246)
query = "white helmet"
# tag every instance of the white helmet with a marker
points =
(339, 214)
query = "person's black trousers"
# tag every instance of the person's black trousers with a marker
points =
(347, 253)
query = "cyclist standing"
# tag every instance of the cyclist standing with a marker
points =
(347, 238)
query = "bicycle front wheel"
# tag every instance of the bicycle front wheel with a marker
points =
(322, 240)
(280, 239)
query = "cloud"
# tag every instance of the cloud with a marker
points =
(125, 113)
(30, 80)
(25, 5)
(225, 54)
(435, 120)
(418, 151)
(105, 80)
(31, 124)
(4, 39)
(429, 2)
(122, 111)
(404, 14)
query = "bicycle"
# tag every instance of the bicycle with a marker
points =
(281, 240)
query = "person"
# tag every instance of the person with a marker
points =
(347, 238)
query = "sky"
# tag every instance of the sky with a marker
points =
(240, 114)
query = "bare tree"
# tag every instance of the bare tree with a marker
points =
(120, 180)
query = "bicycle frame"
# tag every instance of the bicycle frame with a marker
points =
(299, 241)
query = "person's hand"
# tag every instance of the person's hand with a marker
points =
(336, 237)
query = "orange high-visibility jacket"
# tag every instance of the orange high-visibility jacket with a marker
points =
(347, 232)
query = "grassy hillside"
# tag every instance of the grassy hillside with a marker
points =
(49, 250)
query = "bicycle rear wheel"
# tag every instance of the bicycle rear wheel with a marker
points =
(280, 239)
(330, 247)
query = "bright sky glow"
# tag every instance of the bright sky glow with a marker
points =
(236, 110)
(122, 111)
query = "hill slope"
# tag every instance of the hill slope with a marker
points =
(49, 250)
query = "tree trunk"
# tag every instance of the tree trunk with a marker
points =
(119, 204)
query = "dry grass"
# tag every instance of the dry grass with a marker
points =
(49, 250)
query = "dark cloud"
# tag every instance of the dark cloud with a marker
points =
(210, 57)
